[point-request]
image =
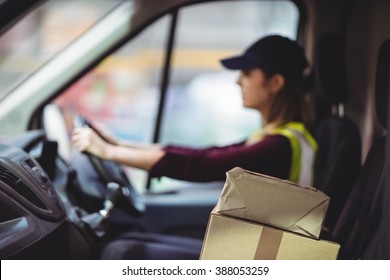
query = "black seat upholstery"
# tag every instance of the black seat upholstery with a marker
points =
(339, 145)
(152, 246)
(361, 227)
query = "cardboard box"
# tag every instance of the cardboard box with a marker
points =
(230, 238)
(274, 202)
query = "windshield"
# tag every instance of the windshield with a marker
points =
(42, 34)
(53, 26)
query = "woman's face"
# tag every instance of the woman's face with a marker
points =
(256, 90)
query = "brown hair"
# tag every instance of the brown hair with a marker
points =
(290, 104)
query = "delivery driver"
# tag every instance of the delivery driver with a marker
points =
(271, 74)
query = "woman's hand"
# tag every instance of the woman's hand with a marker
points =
(106, 133)
(87, 140)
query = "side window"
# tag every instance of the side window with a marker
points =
(204, 105)
(122, 92)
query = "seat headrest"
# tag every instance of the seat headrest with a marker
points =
(382, 82)
(331, 71)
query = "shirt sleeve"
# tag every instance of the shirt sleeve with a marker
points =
(271, 156)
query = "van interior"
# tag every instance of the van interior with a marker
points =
(149, 70)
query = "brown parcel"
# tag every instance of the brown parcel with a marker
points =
(235, 239)
(271, 201)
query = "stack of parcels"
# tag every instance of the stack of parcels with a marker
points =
(260, 217)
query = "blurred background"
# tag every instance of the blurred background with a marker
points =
(203, 105)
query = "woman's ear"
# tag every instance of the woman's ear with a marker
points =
(277, 82)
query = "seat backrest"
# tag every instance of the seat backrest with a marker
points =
(359, 229)
(339, 145)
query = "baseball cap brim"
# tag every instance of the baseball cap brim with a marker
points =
(241, 62)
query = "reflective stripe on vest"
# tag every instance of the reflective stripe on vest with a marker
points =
(303, 147)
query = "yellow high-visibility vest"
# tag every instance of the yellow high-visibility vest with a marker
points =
(304, 148)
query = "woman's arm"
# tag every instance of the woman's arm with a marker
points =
(271, 156)
(87, 140)
(110, 138)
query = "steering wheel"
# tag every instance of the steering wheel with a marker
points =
(109, 171)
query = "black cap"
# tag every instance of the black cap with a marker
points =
(273, 54)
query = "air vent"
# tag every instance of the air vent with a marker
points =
(17, 184)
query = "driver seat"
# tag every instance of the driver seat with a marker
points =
(361, 227)
(339, 146)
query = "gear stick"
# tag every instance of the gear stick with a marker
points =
(96, 221)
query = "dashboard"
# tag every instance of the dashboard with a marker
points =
(43, 215)
(30, 207)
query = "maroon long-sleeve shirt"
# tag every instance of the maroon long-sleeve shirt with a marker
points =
(271, 156)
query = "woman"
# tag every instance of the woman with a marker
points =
(271, 74)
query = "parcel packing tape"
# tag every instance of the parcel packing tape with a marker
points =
(230, 238)
(271, 201)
